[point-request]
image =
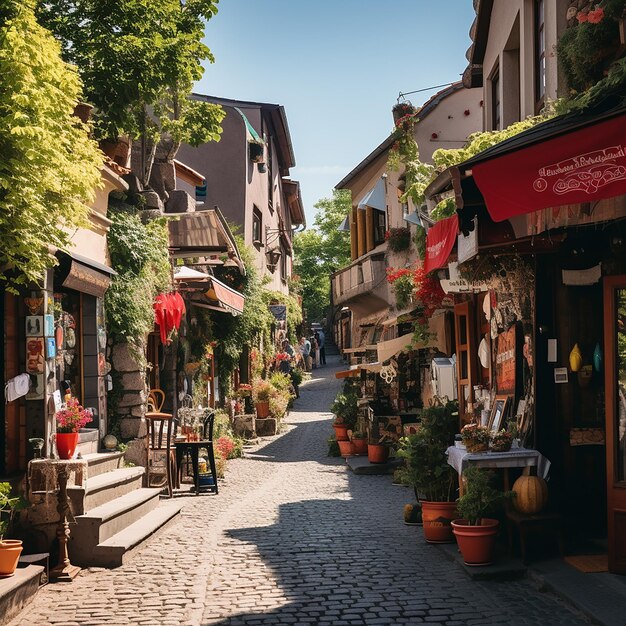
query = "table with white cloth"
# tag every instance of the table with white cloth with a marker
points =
(460, 458)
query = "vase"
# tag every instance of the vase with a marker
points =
(341, 432)
(476, 543)
(66, 444)
(377, 453)
(10, 550)
(359, 446)
(345, 448)
(476, 446)
(262, 409)
(437, 519)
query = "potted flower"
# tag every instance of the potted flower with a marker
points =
(10, 549)
(256, 148)
(475, 437)
(475, 533)
(345, 409)
(501, 441)
(427, 470)
(401, 109)
(261, 393)
(70, 419)
(398, 239)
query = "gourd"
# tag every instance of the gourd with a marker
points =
(531, 494)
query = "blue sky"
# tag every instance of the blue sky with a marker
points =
(337, 66)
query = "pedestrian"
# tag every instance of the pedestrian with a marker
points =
(304, 346)
(322, 343)
(288, 348)
(316, 344)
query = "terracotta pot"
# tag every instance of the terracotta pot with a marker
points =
(476, 543)
(359, 446)
(341, 432)
(263, 409)
(66, 444)
(377, 453)
(10, 550)
(437, 518)
(345, 447)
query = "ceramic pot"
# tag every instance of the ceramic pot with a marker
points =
(66, 445)
(437, 518)
(263, 409)
(359, 446)
(10, 550)
(341, 432)
(476, 543)
(345, 447)
(377, 453)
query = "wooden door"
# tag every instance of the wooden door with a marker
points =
(615, 389)
(465, 330)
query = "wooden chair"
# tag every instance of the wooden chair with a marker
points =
(161, 435)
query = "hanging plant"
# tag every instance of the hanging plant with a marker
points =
(430, 296)
(402, 285)
(398, 239)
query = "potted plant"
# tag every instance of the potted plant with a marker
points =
(398, 239)
(475, 437)
(427, 470)
(501, 441)
(475, 533)
(261, 393)
(256, 148)
(70, 419)
(401, 109)
(345, 409)
(359, 442)
(10, 549)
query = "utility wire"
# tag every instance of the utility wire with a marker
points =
(401, 95)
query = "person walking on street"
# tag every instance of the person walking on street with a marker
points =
(304, 345)
(321, 341)
(315, 352)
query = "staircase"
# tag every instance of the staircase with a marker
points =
(113, 511)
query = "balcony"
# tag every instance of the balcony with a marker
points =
(363, 278)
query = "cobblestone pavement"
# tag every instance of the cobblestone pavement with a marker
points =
(292, 538)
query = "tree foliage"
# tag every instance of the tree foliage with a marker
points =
(139, 60)
(322, 250)
(49, 168)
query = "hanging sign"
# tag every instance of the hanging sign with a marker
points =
(580, 278)
(457, 284)
(440, 240)
(506, 361)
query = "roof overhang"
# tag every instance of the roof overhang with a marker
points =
(188, 174)
(479, 34)
(294, 201)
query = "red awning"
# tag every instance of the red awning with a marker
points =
(583, 165)
(440, 240)
(226, 297)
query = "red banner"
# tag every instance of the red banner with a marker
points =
(581, 166)
(440, 240)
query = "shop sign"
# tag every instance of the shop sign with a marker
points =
(279, 311)
(87, 280)
(457, 284)
(467, 247)
(506, 361)
(440, 240)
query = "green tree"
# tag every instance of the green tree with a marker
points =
(139, 60)
(322, 250)
(49, 167)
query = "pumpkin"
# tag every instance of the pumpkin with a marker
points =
(531, 494)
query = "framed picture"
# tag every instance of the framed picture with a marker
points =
(51, 348)
(34, 325)
(37, 387)
(35, 355)
(48, 325)
(498, 412)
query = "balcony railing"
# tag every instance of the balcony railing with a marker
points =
(360, 277)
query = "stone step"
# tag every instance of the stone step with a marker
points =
(103, 488)
(113, 551)
(108, 519)
(88, 441)
(18, 590)
(101, 462)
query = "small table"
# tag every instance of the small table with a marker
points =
(61, 470)
(460, 458)
(193, 448)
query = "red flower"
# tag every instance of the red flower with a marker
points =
(595, 17)
(582, 17)
(393, 274)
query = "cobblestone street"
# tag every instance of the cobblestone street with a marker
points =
(293, 538)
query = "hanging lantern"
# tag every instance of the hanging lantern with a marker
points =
(575, 358)
(597, 358)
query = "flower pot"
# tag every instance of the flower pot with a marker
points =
(359, 446)
(472, 446)
(66, 444)
(341, 432)
(10, 550)
(437, 518)
(476, 543)
(345, 448)
(263, 409)
(377, 453)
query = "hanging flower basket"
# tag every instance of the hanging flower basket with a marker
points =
(398, 239)
(402, 109)
(257, 151)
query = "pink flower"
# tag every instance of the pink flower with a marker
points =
(582, 17)
(595, 17)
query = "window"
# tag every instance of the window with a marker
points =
(495, 100)
(257, 227)
(540, 53)
(380, 227)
